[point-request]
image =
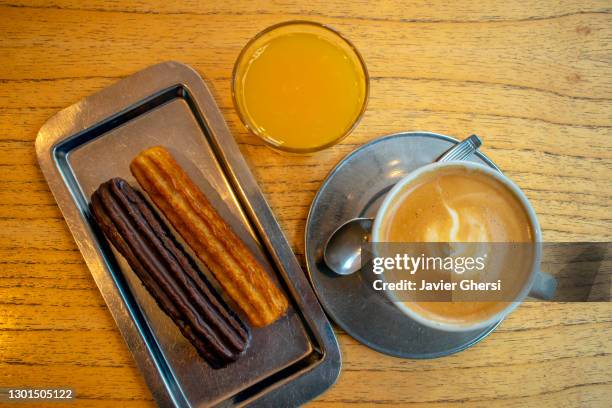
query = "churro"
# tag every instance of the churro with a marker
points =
(169, 273)
(209, 235)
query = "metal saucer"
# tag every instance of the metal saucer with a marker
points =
(355, 188)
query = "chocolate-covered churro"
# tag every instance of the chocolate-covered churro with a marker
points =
(209, 235)
(169, 273)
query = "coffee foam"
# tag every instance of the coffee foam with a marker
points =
(456, 205)
(465, 225)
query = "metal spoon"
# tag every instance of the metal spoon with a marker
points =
(342, 252)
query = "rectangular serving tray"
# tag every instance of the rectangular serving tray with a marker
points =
(289, 362)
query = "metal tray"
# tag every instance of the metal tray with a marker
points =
(288, 362)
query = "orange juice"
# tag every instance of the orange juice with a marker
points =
(300, 86)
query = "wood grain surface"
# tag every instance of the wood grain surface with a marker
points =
(533, 79)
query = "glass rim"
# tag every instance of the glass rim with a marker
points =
(326, 27)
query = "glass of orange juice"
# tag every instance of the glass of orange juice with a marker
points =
(300, 86)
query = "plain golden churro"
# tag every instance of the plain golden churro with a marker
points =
(211, 238)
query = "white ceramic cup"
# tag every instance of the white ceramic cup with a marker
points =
(538, 284)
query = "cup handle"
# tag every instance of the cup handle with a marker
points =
(544, 286)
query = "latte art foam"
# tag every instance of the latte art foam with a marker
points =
(465, 224)
(456, 205)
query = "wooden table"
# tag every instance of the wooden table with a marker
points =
(532, 78)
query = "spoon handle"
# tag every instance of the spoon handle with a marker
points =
(462, 150)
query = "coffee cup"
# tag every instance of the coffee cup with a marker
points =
(474, 192)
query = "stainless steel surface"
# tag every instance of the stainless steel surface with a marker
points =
(289, 362)
(354, 189)
(342, 252)
(462, 150)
